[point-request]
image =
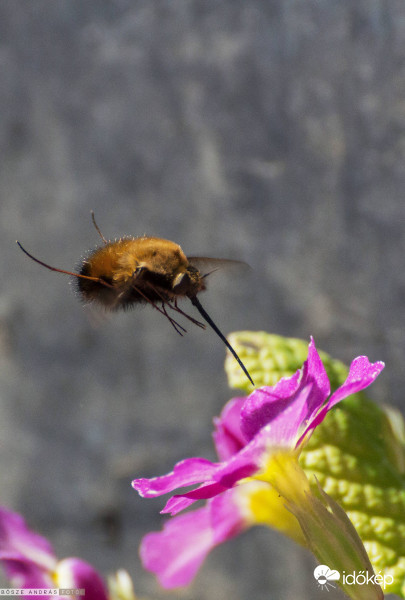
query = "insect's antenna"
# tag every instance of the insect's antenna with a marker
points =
(98, 279)
(205, 315)
(209, 273)
(93, 218)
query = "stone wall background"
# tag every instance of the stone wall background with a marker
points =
(268, 132)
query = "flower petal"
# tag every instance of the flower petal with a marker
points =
(285, 417)
(176, 553)
(181, 501)
(76, 573)
(187, 472)
(27, 557)
(265, 404)
(24, 574)
(316, 372)
(228, 435)
(289, 404)
(246, 462)
(362, 373)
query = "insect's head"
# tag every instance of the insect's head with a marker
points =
(188, 283)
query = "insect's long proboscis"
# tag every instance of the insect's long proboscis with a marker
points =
(195, 302)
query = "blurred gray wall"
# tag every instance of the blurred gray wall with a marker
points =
(271, 132)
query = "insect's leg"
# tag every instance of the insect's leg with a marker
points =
(78, 275)
(172, 321)
(173, 306)
(166, 302)
(180, 311)
(178, 328)
(93, 218)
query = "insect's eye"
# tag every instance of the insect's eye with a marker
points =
(181, 283)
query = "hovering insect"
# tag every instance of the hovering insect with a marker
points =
(151, 270)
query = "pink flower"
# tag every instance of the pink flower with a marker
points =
(248, 433)
(29, 561)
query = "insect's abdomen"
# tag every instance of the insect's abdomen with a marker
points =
(104, 263)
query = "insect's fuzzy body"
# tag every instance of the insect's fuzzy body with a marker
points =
(133, 270)
(136, 270)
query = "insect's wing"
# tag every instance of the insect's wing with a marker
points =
(207, 265)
